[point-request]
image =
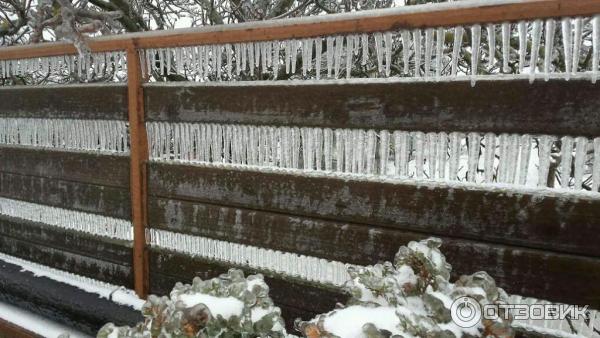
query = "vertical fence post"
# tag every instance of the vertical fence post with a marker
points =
(138, 180)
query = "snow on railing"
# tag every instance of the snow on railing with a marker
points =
(523, 160)
(434, 53)
(433, 41)
(104, 136)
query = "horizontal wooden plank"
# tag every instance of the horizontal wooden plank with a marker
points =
(95, 268)
(106, 249)
(109, 170)
(293, 297)
(559, 222)
(428, 15)
(534, 273)
(60, 302)
(108, 201)
(89, 101)
(365, 245)
(555, 277)
(339, 241)
(503, 106)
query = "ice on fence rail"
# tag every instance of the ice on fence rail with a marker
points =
(544, 48)
(86, 67)
(290, 264)
(107, 136)
(424, 53)
(68, 219)
(474, 157)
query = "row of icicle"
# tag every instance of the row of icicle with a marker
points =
(68, 219)
(70, 134)
(85, 67)
(306, 267)
(513, 159)
(582, 326)
(415, 53)
(424, 53)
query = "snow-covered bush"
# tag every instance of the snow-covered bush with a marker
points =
(410, 298)
(227, 306)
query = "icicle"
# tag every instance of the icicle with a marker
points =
(339, 51)
(229, 64)
(442, 153)
(387, 38)
(473, 156)
(256, 54)
(536, 36)
(456, 49)
(503, 160)
(549, 47)
(418, 138)
(417, 44)
(567, 34)
(406, 46)
(328, 149)
(476, 40)
(276, 58)
(370, 152)
(596, 165)
(577, 44)
(439, 52)
(566, 154)
(428, 50)
(595, 47)
(379, 51)
(330, 55)
(364, 40)
(490, 156)
(318, 54)
(384, 149)
(580, 154)
(432, 149)
(454, 155)
(505, 46)
(544, 149)
(491, 33)
(401, 147)
(522, 30)
(349, 49)
(513, 157)
(524, 159)
(318, 146)
(339, 150)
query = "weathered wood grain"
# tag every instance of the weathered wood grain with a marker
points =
(89, 101)
(558, 107)
(106, 249)
(560, 223)
(108, 201)
(108, 170)
(93, 267)
(60, 302)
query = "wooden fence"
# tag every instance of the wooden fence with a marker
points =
(147, 184)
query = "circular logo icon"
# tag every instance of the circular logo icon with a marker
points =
(465, 312)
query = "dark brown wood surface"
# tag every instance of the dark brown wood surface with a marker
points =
(89, 101)
(90, 168)
(105, 200)
(86, 255)
(554, 107)
(110, 250)
(560, 223)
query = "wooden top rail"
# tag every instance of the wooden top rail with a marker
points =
(418, 16)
